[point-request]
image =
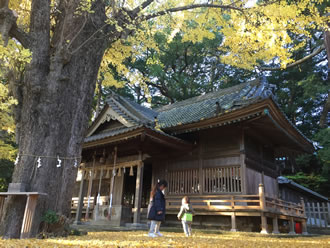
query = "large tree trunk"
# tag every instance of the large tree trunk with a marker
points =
(53, 112)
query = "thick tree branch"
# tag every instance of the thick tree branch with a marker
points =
(324, 113)
(23, 37)
(300, 61)
(144, 5)
(189, 7)
(8, 26)
(327, 45)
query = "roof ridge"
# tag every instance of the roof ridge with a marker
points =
(139, 111)
(206, 96)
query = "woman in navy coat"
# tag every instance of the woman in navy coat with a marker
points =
(156, 208)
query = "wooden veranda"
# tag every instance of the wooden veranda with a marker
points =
(245, 205)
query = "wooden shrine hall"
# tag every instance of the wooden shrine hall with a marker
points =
(224, 149)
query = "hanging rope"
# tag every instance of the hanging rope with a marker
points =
(39, 161)
(41, 156)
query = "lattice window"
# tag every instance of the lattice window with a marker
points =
(222, 180)
(182, 182)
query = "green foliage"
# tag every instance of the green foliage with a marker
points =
(50, 217)
(302, 92)
(6, 171)
(312, 181)
(323, 138)
(176, 69)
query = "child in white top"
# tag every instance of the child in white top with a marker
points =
(185, 215)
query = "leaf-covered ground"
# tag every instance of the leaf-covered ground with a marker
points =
(174, 239)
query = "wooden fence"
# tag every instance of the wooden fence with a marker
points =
(183, 182)
(318, 214)
(285, 207)
(240, 203)
(104, 200)
(226, 179)
(214, 203)
(220, 180)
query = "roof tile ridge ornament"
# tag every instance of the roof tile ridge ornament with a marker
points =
(267, 89)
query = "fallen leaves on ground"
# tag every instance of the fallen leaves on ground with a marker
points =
(172, 239)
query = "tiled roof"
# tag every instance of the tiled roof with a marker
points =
(132, 111)
(205, 106)
(284, 180)
(111, 133)
(188, 111)
(124, 129)
(184, 112)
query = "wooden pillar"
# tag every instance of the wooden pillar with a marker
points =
(200, 167)
(304, 227)
(242, 163)
(275, 225)
(138, 191)
(90, 184)
(304, 222)
(81, 200)
(28, 216)
(112, 183)
(233, 223)
(89, 191)
(97, 209)
(262, 200)
(291, 225)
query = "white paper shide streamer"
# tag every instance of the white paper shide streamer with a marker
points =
(39, 163)
(59, 162)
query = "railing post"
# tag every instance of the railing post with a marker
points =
(304, 221)
(262, 200)
(319, 214)
(233, 222)
(262, 197)
(233, 215)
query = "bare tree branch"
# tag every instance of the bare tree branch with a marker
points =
(300, 61)
(188, 7)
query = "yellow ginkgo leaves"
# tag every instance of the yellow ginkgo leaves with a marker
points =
(171, 239)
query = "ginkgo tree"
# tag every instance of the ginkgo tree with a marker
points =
(66, 44)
